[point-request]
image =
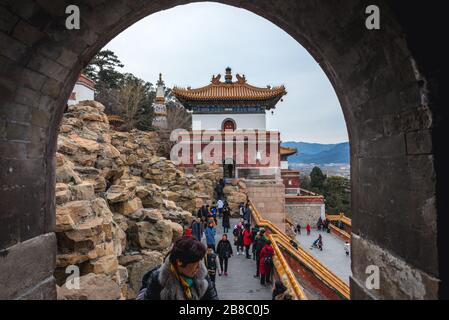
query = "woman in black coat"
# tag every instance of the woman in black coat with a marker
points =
(224, 251)
(225, 222)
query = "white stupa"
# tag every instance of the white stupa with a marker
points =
(159, 107)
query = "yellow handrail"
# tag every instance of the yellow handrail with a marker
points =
(316, 267)
(338, 217)
(284, 268)
(342, 232)
(304, 257)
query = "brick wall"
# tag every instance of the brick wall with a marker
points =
(269, 199)
(304, 213)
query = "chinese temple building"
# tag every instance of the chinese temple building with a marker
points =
(159, 106)
(234, 114)
(84, 89)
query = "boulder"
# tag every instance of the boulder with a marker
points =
(150, 215)
(62, 193)
(147, 235)
(83, 191)
(128, 207)
(136, 270)
(123, 192)
(91, 287)
(71, 213)
(177, 230)
(106, 265)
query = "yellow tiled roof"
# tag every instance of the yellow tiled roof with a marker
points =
(286, 151)
(239, 90)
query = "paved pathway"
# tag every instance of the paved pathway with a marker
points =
(240, 283)
(333, 255)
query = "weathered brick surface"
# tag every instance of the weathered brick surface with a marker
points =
(304, 213)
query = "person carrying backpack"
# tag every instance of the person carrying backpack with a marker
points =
(210, 260)
(247, 234)
(266, 263)
(210, 235)
(254, 232)
(238, 237)
(182, 275)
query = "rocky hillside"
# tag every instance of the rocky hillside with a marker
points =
(119, 204)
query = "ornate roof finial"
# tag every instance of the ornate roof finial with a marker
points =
(216, 79)
(228, 76)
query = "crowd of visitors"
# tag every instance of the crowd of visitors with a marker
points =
(189, 270)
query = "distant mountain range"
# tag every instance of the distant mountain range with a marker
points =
(319, 153)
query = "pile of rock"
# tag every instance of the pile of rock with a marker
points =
(119, 204)
(235, 193)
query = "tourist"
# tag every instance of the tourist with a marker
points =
(182, 276)
(280, 291)
(324, 225)
(254, 232)
(258, 245)
(188, 232)
(210, 261)
(220, 205)
(238, 237)
(347, 248)
(203, 211)
(266, 263)
(293, 229)
(247, 239)
(319, 224)
(318, 243)
(308, 229)
(196, 227)
(294, 244)
(213, 211)
(247, 213)
(241, 210)
(224, 251)
(298, 228)
(219, 189)
(226, 219)
(211, 219)
(210, 235)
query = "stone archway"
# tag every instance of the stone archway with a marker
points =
(387, 82)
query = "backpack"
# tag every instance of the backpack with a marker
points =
(268, 262)
(211, 263)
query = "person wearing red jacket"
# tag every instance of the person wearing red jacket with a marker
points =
(247, 239)
(266, 263)
(308, 229)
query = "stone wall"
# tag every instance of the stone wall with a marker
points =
(269, 198)
(304, 213)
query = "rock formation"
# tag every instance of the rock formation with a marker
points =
(119, 204)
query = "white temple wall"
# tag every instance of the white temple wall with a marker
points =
(215, 121)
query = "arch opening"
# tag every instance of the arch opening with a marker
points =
(391, 157)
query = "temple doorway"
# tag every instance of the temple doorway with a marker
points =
(229, 168)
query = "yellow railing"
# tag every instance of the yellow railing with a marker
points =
(340, 231)
(320, 271)
(338, 217)
(285, 272)
(280, 238)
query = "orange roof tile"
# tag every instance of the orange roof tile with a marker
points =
(238, 90)
(286, 151)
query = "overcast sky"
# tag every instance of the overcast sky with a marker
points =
(190, 43)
